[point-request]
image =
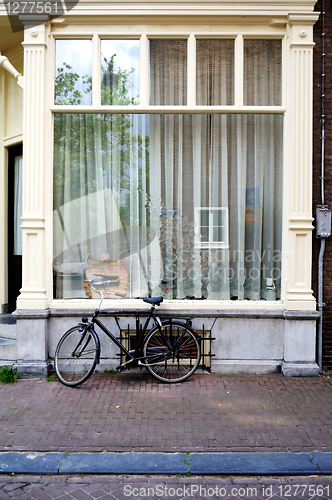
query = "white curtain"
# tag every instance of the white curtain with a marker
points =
(18, 186)
(262, 72)
(205, 165)
(101, 201)
(214, 72)
(191, 204)
(168, 72)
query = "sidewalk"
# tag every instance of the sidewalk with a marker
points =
(208, 424)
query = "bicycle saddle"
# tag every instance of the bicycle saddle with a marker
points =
(153, 300)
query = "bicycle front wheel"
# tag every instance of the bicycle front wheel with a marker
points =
(172, 353)
(75, 356)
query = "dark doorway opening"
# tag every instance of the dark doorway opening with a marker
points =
(15, 178)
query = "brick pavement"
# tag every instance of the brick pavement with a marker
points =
(133, 412)
(163, 487)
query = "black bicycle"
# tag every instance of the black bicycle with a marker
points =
(170, 350)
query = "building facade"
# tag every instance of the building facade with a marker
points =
(169, 146)
(322, 166)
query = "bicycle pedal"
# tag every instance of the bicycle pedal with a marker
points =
(119, 368)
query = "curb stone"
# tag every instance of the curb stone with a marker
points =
(242, 463)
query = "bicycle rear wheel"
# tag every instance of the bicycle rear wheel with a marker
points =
(75, 356)
(173, 353)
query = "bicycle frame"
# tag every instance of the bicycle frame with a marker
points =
(141, 335)
(137, 354)
(169, 348)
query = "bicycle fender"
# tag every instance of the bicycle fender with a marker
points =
(95, 336)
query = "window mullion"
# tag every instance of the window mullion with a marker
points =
(191, 80)
(96, 70)
(144, 70)
(283, 72)
(210, 227)
(238, 68)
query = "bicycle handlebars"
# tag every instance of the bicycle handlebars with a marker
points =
(104, 283)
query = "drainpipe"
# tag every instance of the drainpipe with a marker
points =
(320, 304)
(4, 63)
(323, 214)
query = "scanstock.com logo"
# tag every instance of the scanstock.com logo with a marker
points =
(28, 14)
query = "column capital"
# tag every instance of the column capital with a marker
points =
(34, 35)
(300, 30)
(302, 18)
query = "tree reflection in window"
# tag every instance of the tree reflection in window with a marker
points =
(73, 78)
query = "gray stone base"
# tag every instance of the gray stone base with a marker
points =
(4, 308)
(246, 366)
(33, 368)
(32, 343)
(243, 341)
(300, 369)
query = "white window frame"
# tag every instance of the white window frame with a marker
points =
(118, 32)
(291, 21)
(211, 242)
(191, 106)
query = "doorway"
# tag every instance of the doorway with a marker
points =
(15, 179)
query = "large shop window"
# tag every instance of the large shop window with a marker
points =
(179, 204)
(155, 192)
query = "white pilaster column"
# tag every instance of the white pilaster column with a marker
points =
(33, 291)
(298, 167)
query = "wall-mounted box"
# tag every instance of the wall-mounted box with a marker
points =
(323, 222)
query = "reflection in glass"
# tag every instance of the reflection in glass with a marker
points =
(262, 72)
(168, 72)
(119, 72)
(168, 204)
(215, 72)
(73, 72)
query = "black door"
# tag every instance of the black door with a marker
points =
(15, 177)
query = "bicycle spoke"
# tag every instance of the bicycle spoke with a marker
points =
(182, 352)
(171, 351)
(75, 357)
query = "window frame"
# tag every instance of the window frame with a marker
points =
(191, 106)
(263, 32)
(211, 242)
